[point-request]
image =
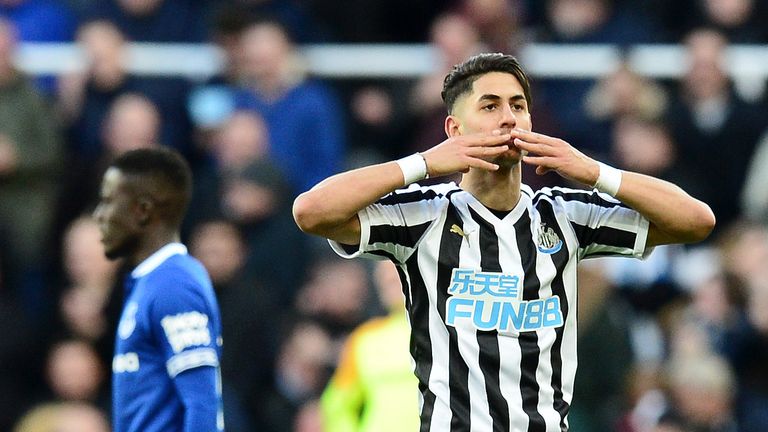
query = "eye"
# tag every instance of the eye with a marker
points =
(490, 107)
(518, 107)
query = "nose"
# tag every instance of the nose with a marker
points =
(508, 119)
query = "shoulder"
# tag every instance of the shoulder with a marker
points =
(564, 196)
(179, 279)
(416, 192)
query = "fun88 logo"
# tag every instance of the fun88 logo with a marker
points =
(493, 301)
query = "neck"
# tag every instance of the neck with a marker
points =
(497, 190)
(151, 244)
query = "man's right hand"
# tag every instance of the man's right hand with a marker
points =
(462, 152)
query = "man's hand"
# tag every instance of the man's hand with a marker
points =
(462, 152)
(553, 154)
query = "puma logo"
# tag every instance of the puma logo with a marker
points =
(457, 230)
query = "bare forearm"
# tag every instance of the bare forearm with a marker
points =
(676, 217)
(336, 200)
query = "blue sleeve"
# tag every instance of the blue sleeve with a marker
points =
(184, 326)
(197, 389)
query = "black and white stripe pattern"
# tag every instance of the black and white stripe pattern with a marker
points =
(514, 378)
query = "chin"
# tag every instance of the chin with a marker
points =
(509, 159)
(112, 254)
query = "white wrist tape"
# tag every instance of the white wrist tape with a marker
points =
(414, 168)
(608, 180)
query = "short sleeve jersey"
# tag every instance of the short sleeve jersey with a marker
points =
(170, 324)
(491, 298)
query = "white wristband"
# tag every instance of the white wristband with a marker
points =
(608, 180)
(414, 168)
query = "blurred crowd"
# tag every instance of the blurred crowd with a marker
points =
(677, 343)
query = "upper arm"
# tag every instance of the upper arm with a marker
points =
(185, 327)
(347, 233)
(657, 237)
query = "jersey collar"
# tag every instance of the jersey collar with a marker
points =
(157, 258)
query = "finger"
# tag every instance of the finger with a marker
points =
(540, 170)
(531, 136)
(485, 140)
(483, 164)
(536, 148)
(540, 161)
(487, 151)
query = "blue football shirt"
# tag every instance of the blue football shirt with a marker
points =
(165, 372)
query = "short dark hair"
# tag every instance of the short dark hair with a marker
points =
(163, 175)
(459, 81)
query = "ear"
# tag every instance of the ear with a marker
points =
(452, 126)
(144, 208)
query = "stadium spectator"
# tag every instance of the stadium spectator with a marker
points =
(88, 286)
(501, 23)
(243, 185)
(709, 116)
(30, 165)
(301, 373)
(374, 377)
(293, 106)
(249, 319)
(41, 21)
(454, 38)
(75, 373)
(130, 121)
(740, 21)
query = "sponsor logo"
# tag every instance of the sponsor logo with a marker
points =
(547, 240)
(128, 321)
(186, 330)
(493, 301)
(128, 362)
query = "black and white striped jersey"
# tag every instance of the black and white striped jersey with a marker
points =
(492, 302)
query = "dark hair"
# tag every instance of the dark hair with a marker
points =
(459, 81)
(161, 174)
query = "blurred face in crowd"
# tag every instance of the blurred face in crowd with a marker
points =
(133, 123)
(74, 371)
(575, 18)
(84, 258)
(241, 140)
(705, 77)
(730, 13)
(7, 44)
(140, 7)
(455, 37)
(219, 247)
(388, 285)
(497, 101)
(266, 48)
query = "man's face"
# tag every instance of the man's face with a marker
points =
(117, 216)
(496, 101)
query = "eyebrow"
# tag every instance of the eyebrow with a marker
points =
(493, 97)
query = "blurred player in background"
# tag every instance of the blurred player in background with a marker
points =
(166, 373)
